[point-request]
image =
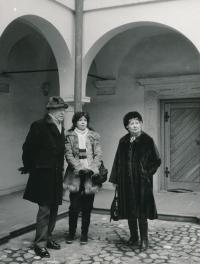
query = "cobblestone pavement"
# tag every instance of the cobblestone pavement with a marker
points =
(170, 242)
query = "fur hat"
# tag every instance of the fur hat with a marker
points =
(130, 116)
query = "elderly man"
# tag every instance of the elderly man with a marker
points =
(43, 159)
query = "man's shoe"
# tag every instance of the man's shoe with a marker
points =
(133, 241)
(69, 239)
(144, 245)
(53, 245)
(84, 239)
(41, 251)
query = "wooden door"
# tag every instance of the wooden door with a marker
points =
(182, 145)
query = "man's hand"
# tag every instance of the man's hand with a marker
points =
(23, 170)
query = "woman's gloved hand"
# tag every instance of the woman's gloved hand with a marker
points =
(85, 172)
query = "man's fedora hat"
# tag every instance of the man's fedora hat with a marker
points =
(56, 102)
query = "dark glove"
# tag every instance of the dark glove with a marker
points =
(85, 172)
(145, 176)
(144, 172)
(23, 170)
(96, 179)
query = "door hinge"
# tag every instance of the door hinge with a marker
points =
(166, 116)
(167, 172)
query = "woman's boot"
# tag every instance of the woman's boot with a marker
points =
(85, 227)
(143, 226)
(87, 206)
(73, 219)
(133, 227)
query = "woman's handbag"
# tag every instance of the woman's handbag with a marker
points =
(114, 209)
(103, 173)
(101, 177)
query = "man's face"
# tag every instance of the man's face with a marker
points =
(82, 123)
(59, 113)
(134, 126)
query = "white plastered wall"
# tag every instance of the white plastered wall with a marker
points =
(107, 113)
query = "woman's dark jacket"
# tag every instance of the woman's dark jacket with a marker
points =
(133, 169)
(43, 158)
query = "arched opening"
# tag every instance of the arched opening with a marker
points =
(28, 76)
(116, 82)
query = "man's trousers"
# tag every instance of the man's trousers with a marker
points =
(45, 223)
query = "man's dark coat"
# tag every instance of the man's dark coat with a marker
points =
(139, 165)
(43, 158)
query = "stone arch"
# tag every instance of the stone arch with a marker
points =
(99, 43)
(23, 100)
(57, 44)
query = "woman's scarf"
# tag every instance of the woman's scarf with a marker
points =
(82, 136)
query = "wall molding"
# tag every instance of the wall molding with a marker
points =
(182, 86)
(94, 6)
(105, 87)
(70, 99)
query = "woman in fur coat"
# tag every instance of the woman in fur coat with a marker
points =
(136, 160)
(83, 155)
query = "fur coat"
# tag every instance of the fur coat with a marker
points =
(133, 169)
(94, 157)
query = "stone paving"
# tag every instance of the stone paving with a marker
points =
(170, 242)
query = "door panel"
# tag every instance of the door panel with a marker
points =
(182, 132)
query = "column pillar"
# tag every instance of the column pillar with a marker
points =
(68, 116)
(69, 112)
(78, 54)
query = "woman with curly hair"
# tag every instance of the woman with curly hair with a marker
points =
(83, 155)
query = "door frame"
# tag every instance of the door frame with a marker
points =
(182, 87)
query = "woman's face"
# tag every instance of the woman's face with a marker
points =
(82, 123)
(134, 126)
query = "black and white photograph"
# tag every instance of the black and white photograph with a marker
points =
(99, 132)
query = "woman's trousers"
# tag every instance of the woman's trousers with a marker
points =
(80, 202)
